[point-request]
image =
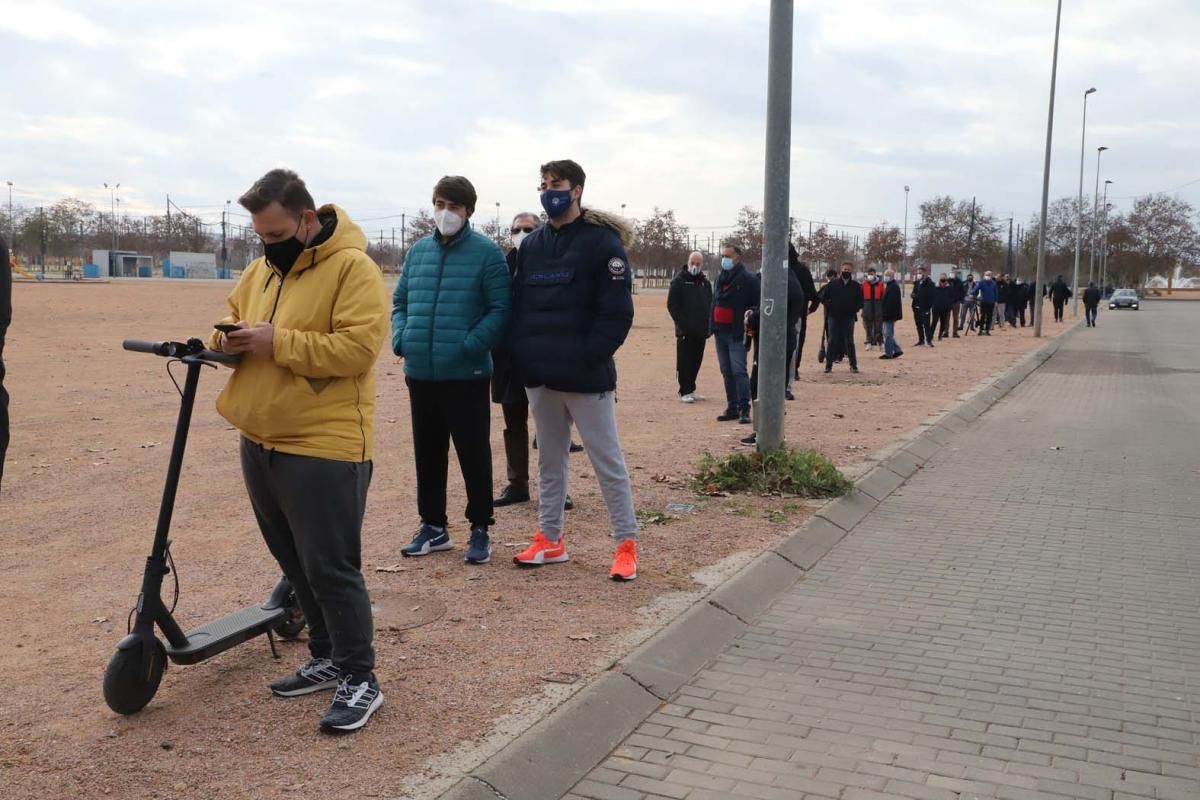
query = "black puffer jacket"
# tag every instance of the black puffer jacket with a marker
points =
(689, 302)
(893, 309)
(843, 299)
(572, 304)
(922, 293)
(506, 384)
(737, 290)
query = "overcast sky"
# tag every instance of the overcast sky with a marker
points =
(661, 101)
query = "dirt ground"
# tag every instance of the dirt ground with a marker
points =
(92, 430)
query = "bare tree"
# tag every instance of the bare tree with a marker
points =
(660, 245)
(885, 245)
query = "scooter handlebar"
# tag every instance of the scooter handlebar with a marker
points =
(192, 349)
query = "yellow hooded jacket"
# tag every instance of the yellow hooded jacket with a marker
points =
(316, 396)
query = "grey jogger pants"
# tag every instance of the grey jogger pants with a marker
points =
(595, 417)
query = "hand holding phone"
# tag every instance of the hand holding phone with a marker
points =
(227, 327)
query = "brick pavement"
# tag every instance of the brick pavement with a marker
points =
(1017, 621)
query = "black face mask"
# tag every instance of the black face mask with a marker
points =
(282, 255)
(845, 276)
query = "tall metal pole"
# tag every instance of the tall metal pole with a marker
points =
(772, 350)
(1079, 208)
(1095, 211)
(904, 259)
(1009, 265)
(1041, 257)
(1103, 260)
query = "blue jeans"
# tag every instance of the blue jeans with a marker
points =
(890, 348)
(731, 354)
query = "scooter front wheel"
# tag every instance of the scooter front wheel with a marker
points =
(292, 624)
(128, 684)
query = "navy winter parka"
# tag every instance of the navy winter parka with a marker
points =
(572, 304)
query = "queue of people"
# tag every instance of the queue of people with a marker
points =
(309, 319)
(950, 306)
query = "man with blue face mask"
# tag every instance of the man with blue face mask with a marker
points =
(737, 292)
(572, 309)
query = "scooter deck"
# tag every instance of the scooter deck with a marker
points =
(219, 635)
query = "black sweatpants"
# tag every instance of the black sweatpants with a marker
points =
(1058, 310)
(310, 512)
(689, 355)
(516, 442)
(452, 410)
(841, 337)
(987, 311)
(924, 320)
(941, 323)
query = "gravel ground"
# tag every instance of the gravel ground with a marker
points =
(92, 432)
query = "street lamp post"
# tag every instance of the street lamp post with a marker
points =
(116, 230)
(1103, 261)
(772, 328)
(1079, 206)
(112, 204)
(904, 258)
(1041, 258)
(1095, 210)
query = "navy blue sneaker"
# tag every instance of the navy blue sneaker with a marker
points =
(355, 700)
(428, 540)
(479, 551)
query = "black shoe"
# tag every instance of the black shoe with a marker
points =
(511, 495)
(568, 503)
(479, 549)
(828, 370)
(897, 354)
(744, 417)
(885, 357)
(751, 440)
(575, 448)
(929, 344)
(854, 369)
(787, 393)
(355, 700)
(317, 675)
(728, 416)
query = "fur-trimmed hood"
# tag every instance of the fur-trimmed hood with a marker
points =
(614, 222)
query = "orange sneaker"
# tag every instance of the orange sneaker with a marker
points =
(624, 566)
(542, 551)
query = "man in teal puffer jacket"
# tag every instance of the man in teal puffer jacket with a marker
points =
(450, 308)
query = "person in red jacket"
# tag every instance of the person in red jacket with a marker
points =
(872, 312)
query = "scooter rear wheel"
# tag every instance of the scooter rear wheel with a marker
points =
(292, 624)
(128, 687)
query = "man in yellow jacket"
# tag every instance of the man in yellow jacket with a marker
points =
(311, 317)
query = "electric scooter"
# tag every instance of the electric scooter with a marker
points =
(136, 669)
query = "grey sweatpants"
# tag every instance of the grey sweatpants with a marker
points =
(595, 417)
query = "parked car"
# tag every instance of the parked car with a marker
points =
(1123, 298)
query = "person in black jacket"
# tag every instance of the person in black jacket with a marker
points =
(892, 311)
(5, 320)
(922, 306)
(795, 308)
(960, 296)
(1059, 293)
(572, 309)
(943, 301)
(509, 393)
(1017, 300)
(1091, 302)
(689, 302)
(812, 303)
(843, 301)
(737, 291)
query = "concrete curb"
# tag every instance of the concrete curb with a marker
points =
(546, 761)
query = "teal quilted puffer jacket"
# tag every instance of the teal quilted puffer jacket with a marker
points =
(451, 307)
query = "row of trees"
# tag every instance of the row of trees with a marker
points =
(1158, 234)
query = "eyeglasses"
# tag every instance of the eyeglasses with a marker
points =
(521, 230)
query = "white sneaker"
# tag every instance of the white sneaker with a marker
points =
(697, 396)
(688, 398)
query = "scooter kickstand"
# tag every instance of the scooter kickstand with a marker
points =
(271, 640)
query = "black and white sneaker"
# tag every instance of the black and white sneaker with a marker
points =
(353, 704)
(317, 675)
